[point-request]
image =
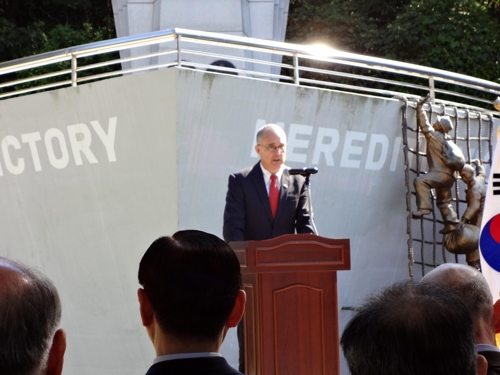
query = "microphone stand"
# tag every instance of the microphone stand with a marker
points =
(311, 213)
(307, 172)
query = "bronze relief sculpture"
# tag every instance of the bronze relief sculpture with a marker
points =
(445, 161)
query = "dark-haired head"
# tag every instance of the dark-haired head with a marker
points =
(191, 280)
(411, 329)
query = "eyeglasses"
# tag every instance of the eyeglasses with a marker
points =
(273, 148)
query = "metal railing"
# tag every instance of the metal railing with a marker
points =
(292, 63)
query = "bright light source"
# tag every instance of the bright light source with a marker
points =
(320, 49)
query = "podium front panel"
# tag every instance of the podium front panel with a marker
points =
(300, 333)
(291, 317)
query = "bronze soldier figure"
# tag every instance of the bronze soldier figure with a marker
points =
(444, 158)
(474, 196)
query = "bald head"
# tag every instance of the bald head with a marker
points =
(270, 129)
(30, 311)
(472, 287)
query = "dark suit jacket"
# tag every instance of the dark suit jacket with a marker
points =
(247, 215)
(193, 366)
(493, 359)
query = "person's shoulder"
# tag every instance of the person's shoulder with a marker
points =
(297, 178)
(245, 172)
(209, 365)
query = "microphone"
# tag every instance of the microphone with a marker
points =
(302, 171)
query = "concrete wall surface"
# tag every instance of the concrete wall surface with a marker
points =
(83, 200)
(91, 175)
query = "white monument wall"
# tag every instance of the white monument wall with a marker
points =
(91, 175)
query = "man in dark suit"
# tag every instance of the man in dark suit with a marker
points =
(249, 214)
(472, 287)
(264, 201)
(191, 296)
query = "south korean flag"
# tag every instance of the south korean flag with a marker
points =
(489, 242)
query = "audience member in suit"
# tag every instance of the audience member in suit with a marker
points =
(472, 287)
(30, 311)
(190, 296)
(412, 329)
(248, 214)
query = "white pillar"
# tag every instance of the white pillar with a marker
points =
(264, 19)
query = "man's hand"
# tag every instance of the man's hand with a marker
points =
(421, 103)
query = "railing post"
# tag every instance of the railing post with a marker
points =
(296, 79)
(431, 88)
(179, 61)
(73, 71)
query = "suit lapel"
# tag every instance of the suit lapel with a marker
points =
(257, 178)
(285, 188)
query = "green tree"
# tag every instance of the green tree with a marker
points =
(29, 27)
(350, 25)
(461, 36)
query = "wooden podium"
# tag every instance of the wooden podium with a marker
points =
(291, 315)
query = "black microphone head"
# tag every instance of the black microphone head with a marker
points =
(303, 171)
(294, 171)
(313, 170)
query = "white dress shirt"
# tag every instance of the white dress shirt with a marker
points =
(267, 177)
(169, 357)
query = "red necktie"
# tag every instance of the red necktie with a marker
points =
(274, 194)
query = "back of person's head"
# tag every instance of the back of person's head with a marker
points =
(411, 329)
(30, 312)
(192, 280)
(473, 289)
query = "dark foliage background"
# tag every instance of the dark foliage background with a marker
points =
(462, 36)
(29, 27)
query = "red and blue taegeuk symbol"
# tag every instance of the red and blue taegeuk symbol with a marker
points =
(490, 242)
